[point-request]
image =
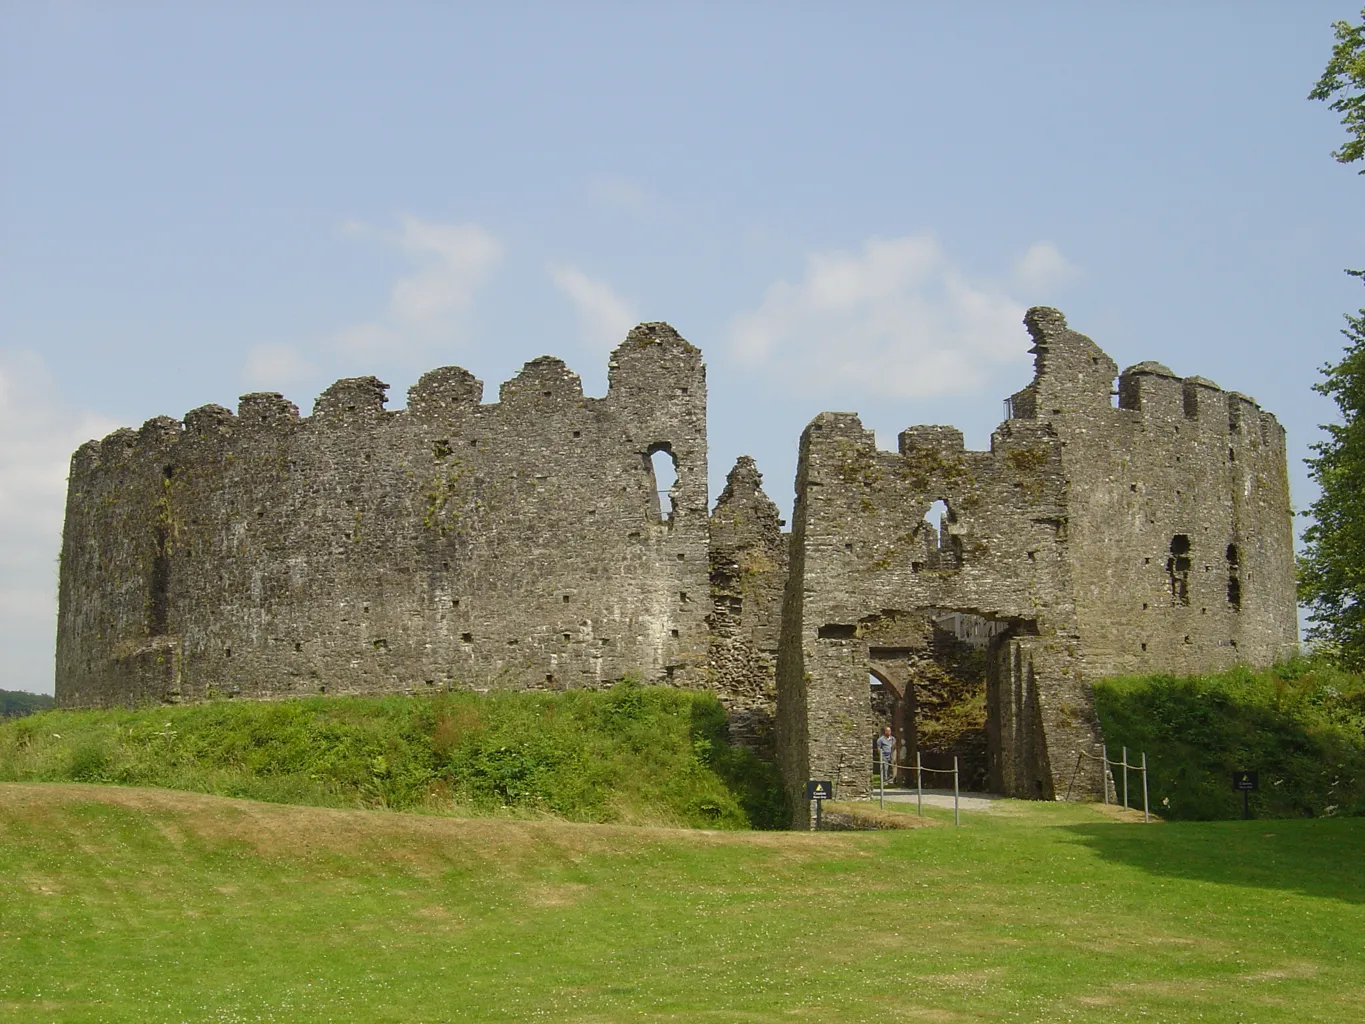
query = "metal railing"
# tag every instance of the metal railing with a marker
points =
(886, 769)
(1107, 777)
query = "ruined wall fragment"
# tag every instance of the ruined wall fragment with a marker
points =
(748, 575)
(871, 576)
(1099, 538)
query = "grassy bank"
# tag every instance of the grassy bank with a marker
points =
(631, 754)
(149, 906)
(1301, 725)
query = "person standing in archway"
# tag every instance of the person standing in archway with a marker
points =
(886, 754)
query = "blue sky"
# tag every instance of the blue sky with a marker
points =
(846, 206)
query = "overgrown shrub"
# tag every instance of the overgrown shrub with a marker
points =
(632, 753)
(1301, 725)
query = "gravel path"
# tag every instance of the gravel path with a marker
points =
(942, 798)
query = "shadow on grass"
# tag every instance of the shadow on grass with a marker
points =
(1315, 857)
(1298, 725)
(755, 783)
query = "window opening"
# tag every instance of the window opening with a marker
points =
(1190, 398)
(1234, 558)
(1178, 569)
(663, 472)
(943, 548)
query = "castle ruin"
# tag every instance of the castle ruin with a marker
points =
(527, 544)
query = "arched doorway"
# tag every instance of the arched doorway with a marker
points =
(931, 687)
(886, 691)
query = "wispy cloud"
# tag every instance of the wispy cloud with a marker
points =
(1043, 267)
(275, 366)
(454, 260)
(604, 317)
(896, 318)
(427, 306)
(40, 432)
(624, 194)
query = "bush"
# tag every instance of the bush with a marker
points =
(632, 753)
(1301, 725)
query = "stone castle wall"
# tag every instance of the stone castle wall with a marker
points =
(871, 577)
(1128, 522)
(452, 543)
(1094, 538)
(748, 575)
(1180, 524)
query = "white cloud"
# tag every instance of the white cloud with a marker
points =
(1043, 267)
(274, 366)
(40, 434)
(624, 194)
(368, 340)
(896, 319)
(604, 318)
(427, 306)
(456, 260)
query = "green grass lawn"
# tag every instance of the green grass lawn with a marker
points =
(146, 905)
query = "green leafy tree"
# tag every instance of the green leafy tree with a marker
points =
(1343, 83)
(1332, 567)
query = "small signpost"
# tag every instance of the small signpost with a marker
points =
(819, 790)
(1247, 782)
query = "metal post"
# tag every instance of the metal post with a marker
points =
(1104, 771)
(919, 787)
(1125, 778)
(818, 805)
(881, 790)
(1146, 815)
(957, 818)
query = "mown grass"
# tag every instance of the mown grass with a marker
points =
(633, 754)
(1301, 725)
(139, 905)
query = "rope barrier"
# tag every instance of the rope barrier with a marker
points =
(911, 768)
(887, 768)
(1106, 760)
(1106, 776)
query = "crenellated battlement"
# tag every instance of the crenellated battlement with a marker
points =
(444, 393)
(359, 548)
(654, 361)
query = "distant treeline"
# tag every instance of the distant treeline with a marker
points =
(18, 703)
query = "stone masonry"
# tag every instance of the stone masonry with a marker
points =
(519, 544)
(525, 544)
(1094, 538)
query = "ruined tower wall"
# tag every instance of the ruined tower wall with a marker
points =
(1154, 534)
(453, 543)
(869, 574)
(1178, 458)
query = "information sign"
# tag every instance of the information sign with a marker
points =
(1245, 782)
(819, 789)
